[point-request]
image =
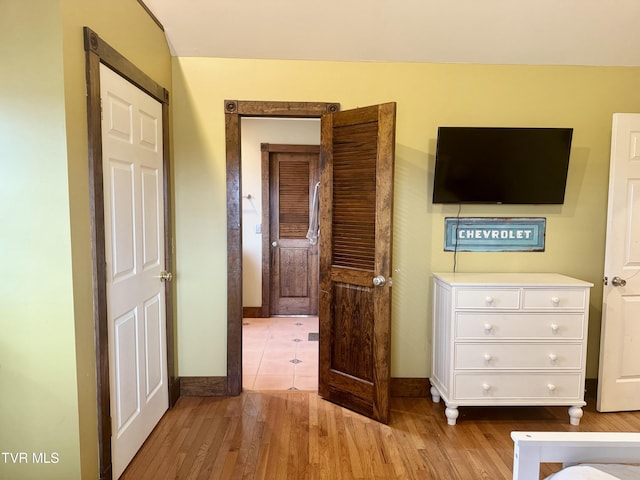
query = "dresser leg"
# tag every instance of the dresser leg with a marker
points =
(452, 414)
(435, 395)
(575, 414)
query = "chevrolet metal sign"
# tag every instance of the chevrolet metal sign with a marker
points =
(494, 234)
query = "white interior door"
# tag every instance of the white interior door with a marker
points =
(134, 241)
(619, 376)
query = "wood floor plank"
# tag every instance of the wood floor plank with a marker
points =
(299, 436)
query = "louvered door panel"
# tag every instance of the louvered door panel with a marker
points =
(293, 178)
(354, 196)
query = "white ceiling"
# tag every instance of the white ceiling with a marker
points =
(553, 32)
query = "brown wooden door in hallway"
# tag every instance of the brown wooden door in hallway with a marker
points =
(290, 258)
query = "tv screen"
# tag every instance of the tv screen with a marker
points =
(501, 165)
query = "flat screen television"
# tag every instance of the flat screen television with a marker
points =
(511, 165)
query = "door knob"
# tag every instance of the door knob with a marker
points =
(274, 243)
(379, 281)
(618, 282)
(165, 276)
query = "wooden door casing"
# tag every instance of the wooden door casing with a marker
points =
(290, 268)
(235, 111)
(100, 52)
(356, 206)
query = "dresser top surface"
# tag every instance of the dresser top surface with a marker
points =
(510, 279)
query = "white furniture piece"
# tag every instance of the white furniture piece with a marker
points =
(530, 449)
(509, 339)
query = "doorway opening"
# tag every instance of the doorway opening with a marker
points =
(280, 171)
(237, 113)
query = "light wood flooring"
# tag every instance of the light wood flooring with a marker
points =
(297, 435)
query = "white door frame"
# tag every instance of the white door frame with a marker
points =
(97, 52)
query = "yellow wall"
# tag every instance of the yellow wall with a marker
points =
(427, 95)
(37, 346)
(47, 356)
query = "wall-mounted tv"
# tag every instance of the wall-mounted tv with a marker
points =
(501, 165)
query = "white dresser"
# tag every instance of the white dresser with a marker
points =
(509, 339)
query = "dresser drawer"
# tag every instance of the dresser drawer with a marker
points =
(518, 387)
(508, 356)
(489, 298)
(497, 326)
(553, 298)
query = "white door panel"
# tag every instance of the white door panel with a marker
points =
(149, 131)
(117, 117)
(619, 374)
(122, 218)
(629, 358)
(134, 246)
(151, 212)
(153, 338)
(126, 382)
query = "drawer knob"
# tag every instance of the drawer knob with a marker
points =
(555, 301)
(553, 357)
(488, 327)
(489, 300)
(555, 328)
(486, 387)
(551, 387)
(487, 357)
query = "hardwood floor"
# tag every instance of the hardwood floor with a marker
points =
(297, 435)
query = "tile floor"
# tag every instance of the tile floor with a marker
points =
(278, 353)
